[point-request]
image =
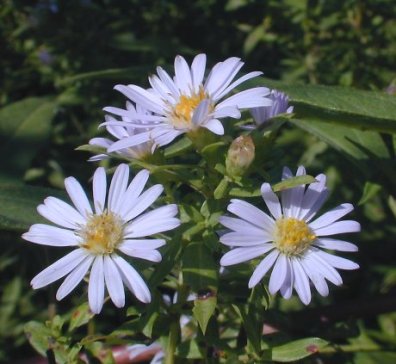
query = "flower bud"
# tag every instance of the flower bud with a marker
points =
(240, 156)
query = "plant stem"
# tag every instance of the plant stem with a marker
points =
(172, 342)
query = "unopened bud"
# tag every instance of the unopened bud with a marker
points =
(240, 156)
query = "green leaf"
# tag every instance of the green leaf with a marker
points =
(370, 190)
(293, 182)
(199, 268)
(24, 129)
(80, 316)
(341, 106)
(189, 350)
(18, 205)
(203, 310)
(296, 350)
(179, 147)
(361, 145)
(39, 336)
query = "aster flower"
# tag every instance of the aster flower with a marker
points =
(125, 129)
(187, 102)
(292, 239)
(280, 105)
(100, 235)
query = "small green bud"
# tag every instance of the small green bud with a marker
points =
(240, 156)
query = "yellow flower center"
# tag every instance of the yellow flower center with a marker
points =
(292, 236)
(183, 111)
(102, 233)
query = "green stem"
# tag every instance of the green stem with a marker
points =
(172, 342)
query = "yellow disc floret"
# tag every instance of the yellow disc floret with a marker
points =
(292, 236)
(102, 233)
(183, 110)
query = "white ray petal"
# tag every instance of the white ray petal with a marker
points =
(99, 188)
(153, 222)
(198, 71)
(143, 244)
(252, 214)
(239, 239)
(78, 196)
(59, 269)
(113, 282)
(215, 126)
(133, 191)
(133, 280)
(118, 187)
(182, 75)
(50, 235)
(96, 285)
(145, 200)
(74, 278)
(240, 225)
(240, 255)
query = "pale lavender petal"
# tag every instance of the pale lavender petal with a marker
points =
(278, 274)
(301, 283)
(253, 97)
(236, 83)
(331, 216)
(129, 142)
(324, 268)
(334, 244)
(226, 112)
(339, 227)
(286, 289)
(337, 262)
(264, 266)
(315, 276)
(200, 114)
(271, 200)
(314, 197)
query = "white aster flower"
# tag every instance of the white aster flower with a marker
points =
(291, 238)
(187, 102)
(100, 234)
(124, 129)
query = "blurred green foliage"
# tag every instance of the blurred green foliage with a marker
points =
(60, 60)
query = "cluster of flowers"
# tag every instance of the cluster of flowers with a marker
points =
(117, 224)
